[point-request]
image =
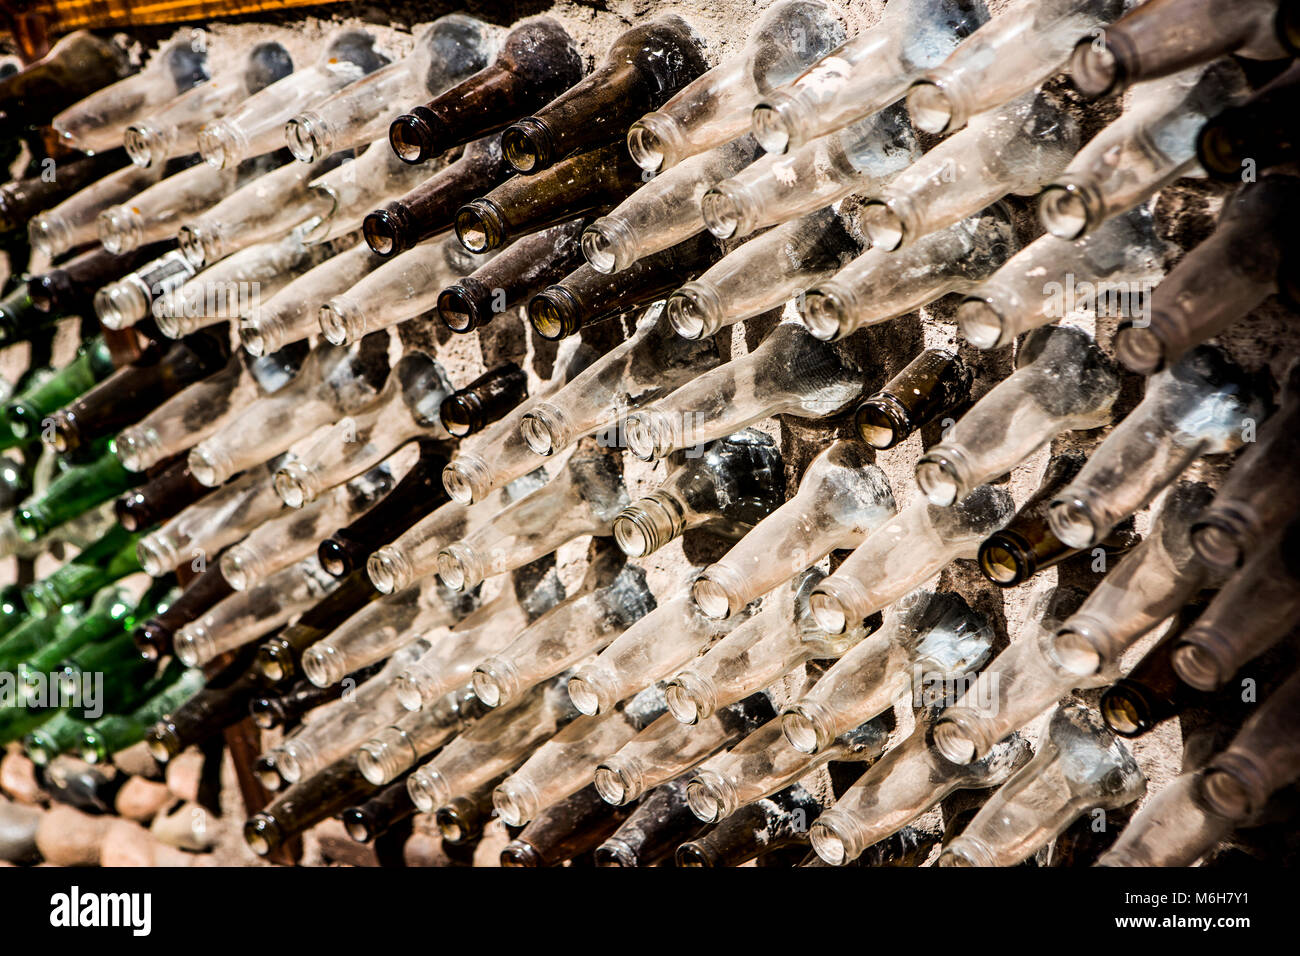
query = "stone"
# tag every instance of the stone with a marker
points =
(183, 774)
(68, 837)
(138, 762)
(126, 843)
(18, 779)
(142, 800)
(18, 823)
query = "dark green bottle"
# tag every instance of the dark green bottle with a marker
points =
(33, 633)
(109, 559)
(31, 379)
(56, 735)
(13, 610)
(74, 492)
(15, 482)
(113, 733)
(26, 410)
(19, 317)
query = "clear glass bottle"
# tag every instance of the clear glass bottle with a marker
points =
(789, 37)
(1262, 758)
(866, 74)
(1079, 766)
(1123, 254)
(406, 409)
(1016, 148)
(842, 498)
(173, 128)
(927, 638)
(1062, 382)
(121, 304)
(1189, 306)
(446, 52)
(256, 126)
(1149, 146)
(1199, 406)
(582, 499)
(789, 373)
(789, 259)
(904, 553)
(1174, 828)
(1009, 56)
(734, 483)
(154, 637)
(75, 221)
(158, 211)
(932, 386)
(880, 285)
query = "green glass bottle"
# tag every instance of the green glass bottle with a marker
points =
(34, 633)
(13, 609)
(74, 492)
(109, 559)
(30, 380)
(15, 482)
(25, 410)
(56, 735)
(124, 672)
(112, 733)
(19, 317)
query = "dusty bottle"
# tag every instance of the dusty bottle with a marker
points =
(932, 386)
(866, 74)
(257, 125)
(842, 497)
(1172, 35)
(446, 52)
(1188, 306)
(1148, 147)
(903, 553)
(332, 382)
(1199, 406)
(582, 499)
(790, 258)
(586, 297)
(1063, 382)
(1079, 766)
(910, 779)
(406, 408)
(70, 288)
(24, 198)
(790, 373)
(154, 637)
(927, 638)
(305, 803)
(74, 221)
(1016, 148)
(1010, 55)
(75, 490)
(1254, 135)
(98, 122)
(771, 824)
(279, 658)
(173, 128)
(1261, 759)
(462, 820)
(27, 409)
(1174, 828)
(536, 62)
(115, 732)
(1121, 257)
(715, 108)
(861, 157)
(588, 182)
(75, 67)
(485, 400)
(278, 709)
(430, 208)
(101, 563)
(733, 484)
(653, 831)
(121, 304)
(569, 828)
(1151, 692)
(880, 285)
(380, 813)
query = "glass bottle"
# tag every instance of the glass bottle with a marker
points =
(406, 409)
(1253, 135)
(789, 37)
(1016, 148)
(1122, 255)
(306, 803)
(568, 828)
(789, 373)
(642, 69)
(462, 820)
(1151, 692)
(902, 554)
(77, 489)
(755, 830)
(536, 62)
(842, 498)
(28, 408)
(880, 285)
(74, 221)
(1168, 36)
(1079, 766)
(74, 68)
(256, 126)
(1262, 758)
(1187, 307)
(35, 632)
(1063, 382)
(380, 814)
(154, 637)
(279, 658)
(1010, 55)
(789, 259)
(653, 831)
(121, 304)
(287, 707)
(111, 612)
(866, 74)
(487, 399)
(106, 560)
(113, 733)
(21, 199)
(587, 182)
(927, 638)
(932, 386)
(1199, 406)
(1149, 146)
(1174, 828)
(447, 51)
(173, 128)
(69, 289)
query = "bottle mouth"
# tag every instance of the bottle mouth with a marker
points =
(827, 842)
(409, 691)
(1121, 712)
(381, 233)
(1068, 209)
(804, 728)
(615, 785)
(1219, 152)
(308, 137)
(1139, 348)
(683, 702)
(163, 742)
(647, 525)
(938, 475)
(460, 309)
(931, 108)
(387, 571)
(695, 854)
(1003, 562)
(480, 226)
(515, 802)
(342, 321)
(617, 853)
(1218, 540)
(323, 665)
(981, 323)
(262, 834)
(774, 123)
(965, 851)
(1075, 649)
(695, 310)
(528, 146)
(208, 466)
(717, 592)
(413, 136)
(880, 423)
(382, 759)
(707, 797)
(882, 225)
(655, 142)
(292, 761)
(428, 790)
(1072, 521)
(1198, 660)
(139, 447)
(554, 313)
(359, 824)
(467, 479)
(829, 609)
(221, 145)
(539, 430)
(49, 234)
(144, 144)
(39, 749)
(1230, 785)
(608, 245)
(297, 483)
(266, 713)
(518, 854)
(586, 696)
(120, 229)
(453, 825)
(30, 523)
(152, 639)
(121, 304)
(337, 556)
(201, 244)
(194, 644)
(459, 567)
(724, 212)
(827, 313)
(1094, 68)
(644, 434)
(156, 555)
(275, 661)
(93, 748)
(491, 682)
(258, 339)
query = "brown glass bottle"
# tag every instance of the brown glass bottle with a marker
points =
(524, 204)
(389, 807)
(642, 70)
(513, 276)
(277, 709)
(418, 493)
(222, 701)
(1152, 692)
(585, 296)
(780, 821)
(70, 289)
(567, 828)
(657, 827)
(484, 400)
(1256, 135)
(934, 384)
(132, 392)
(154, 636)
(278, 658)
(430, 208)
(536, 62)
(163, 496)
(462, 821)
(77, 66)
(1027, 545)
(305, 804)
(22, 199)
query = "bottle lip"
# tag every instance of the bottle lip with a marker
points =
(342, 321)
(882, 421)
(308, 136)
(528, 145)
(1141, 348)
(935, 105)
(609, 245)
(1069, 208)
(776, 122)
(339, 555)
(275, 660)
(555, 313)
(385, 230)
(516, 801)
(1099, 66)
(883, 225)
(695, 310)
(718, 592)
(1234, 786)
(481, 225)
(727, 212)
(1222, 536)
(414, 136)
(982, 323)
(518, 853)
(1203, 658)
(616, 852)
(1126, 710)
(656, 142)
(465, 306)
